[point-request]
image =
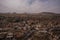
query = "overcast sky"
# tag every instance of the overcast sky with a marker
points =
(30, 6)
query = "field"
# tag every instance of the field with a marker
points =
(38, 26)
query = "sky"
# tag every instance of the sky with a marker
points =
(30, 6)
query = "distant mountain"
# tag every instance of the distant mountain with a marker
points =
(48, 13)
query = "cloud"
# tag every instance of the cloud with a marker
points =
(30, 6)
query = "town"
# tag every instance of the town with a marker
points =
(41, 26)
